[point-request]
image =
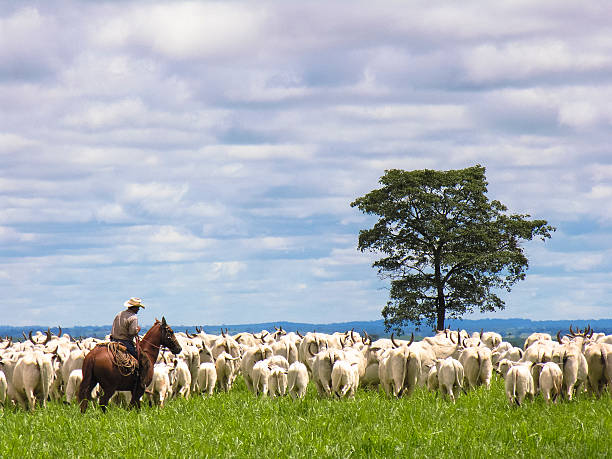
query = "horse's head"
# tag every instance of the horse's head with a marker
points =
(167, 337)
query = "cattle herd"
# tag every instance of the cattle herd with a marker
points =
(47, 366)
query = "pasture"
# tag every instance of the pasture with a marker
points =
(238, 424)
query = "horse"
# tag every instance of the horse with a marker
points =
(98, 367)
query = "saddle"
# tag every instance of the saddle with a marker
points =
(127, 364)
(121, 358)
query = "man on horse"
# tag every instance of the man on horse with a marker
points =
(126, 328)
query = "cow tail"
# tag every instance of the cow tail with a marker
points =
(514, 398)
(46, 375)
(404, 372)
(604, 358)
(291, 378)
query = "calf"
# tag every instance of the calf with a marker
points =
(450, 374)
(297, 380)
(550, 381)
(519, 383)
(345, 379)
(277, 382)
(227, 370)
(207, 378)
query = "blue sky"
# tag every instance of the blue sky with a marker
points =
(203, 155)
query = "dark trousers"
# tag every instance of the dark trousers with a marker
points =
(129, 344)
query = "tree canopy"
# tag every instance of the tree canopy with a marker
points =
(447, 248)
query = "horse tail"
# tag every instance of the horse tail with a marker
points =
(88, 382)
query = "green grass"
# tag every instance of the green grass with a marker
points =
(480, 424)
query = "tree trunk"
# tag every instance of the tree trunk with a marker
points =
(440, 303)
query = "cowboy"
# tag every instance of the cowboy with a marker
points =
(125, 326)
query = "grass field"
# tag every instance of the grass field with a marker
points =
(236, 424)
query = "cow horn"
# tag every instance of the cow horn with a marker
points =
(353, 335)
(188, 335)
(481, 330)
(588, 329)
(571, 331)
(198, 330)
(342, 343)
(31, 339)
(59, 333)
(395, 345)
(222, 333)
(559, 337)
(299, 334)
(48, 333)
(411, 338)
(78, 345)
(591, 335)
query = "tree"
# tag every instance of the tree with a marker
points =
(447, 248)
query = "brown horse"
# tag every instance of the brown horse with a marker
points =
(98, 367)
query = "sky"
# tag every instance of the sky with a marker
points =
(203, 155)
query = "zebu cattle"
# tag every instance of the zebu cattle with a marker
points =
(297, 380)
(535, 337)
(250, 358)
(399, 371)
(477, 366)
(191, 356)
(225, 343)
(227, 370)
(277, 382)
(599, 360)
(181, 379)
(573, 365)
(550, 380)
(539, 352)
(285, 348)
(159, 390)
(519, 383)
(311, 345)
(511, 353)
(3, 388)
(207, 378)
(279, 361)
(491, 339)
(29, 378)
(322, 369)
(450, 375)
(74, 382)
(345, 379)
(261, 376)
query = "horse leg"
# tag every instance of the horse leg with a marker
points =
(137, 393)
(108, 393)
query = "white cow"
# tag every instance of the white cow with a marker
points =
(181, 379)
(399, 371)
(30, 379)
(3, 388)
(160, 389)
(261, 376)
(345, 379)
(477, 366)
(450, 374)
(297, 380)
(227, 370)
(277, 382)
(550, 380)
(519, 383)
(207, 378)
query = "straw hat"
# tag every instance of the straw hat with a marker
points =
(134, 302)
